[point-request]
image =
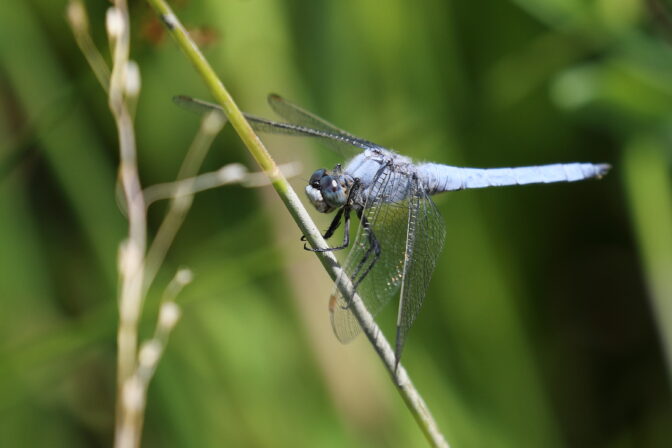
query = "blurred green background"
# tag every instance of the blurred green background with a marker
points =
(549, 318)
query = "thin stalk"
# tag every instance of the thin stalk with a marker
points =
(131, 256)
(211, 124)
(409, 393)
(79, 23)
(226, 175)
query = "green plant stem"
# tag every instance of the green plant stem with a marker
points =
(409, 393)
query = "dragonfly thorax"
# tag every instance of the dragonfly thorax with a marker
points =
(328, 190)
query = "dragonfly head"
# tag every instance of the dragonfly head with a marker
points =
(327, 191)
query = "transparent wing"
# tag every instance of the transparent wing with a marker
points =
(299, 116)
(195, 105)
(340, 141)
(426, 236)
(388, 225)
(411, 233)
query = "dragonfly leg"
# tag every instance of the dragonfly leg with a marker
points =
(335, 223)
(344, 213)
(346, 230)
(374, 247)
(332, 227)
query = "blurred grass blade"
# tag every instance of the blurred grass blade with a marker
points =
(70, 143)
(649, 189)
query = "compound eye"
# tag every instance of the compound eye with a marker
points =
(332, 192)
(316, 177)
(328, 184)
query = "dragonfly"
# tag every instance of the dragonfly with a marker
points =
(401, 232)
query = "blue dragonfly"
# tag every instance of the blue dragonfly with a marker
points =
(401, 233)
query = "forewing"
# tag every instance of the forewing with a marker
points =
(195, 105)
(301, 124)
(297, 115)
(426, 236)
(388, 223)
